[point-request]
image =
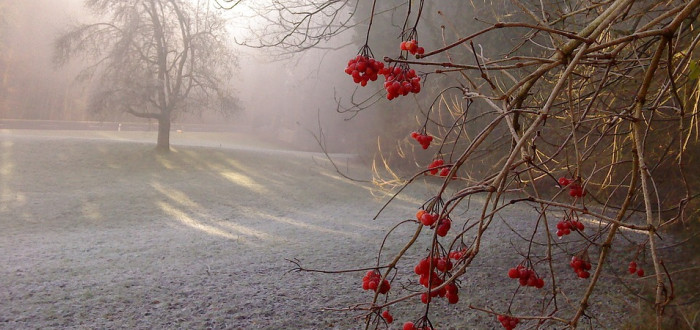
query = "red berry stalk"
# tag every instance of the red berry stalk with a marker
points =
(400, 81)
(580, 266)
(634, 269)
(526, 276)
(564, 227)
(429, 278)
(423, 139)
(363, 68)
(508, 322)
(427, 219)
(434, 166)
(412, 47)
(387, 317)
(371, 282)
(575, 188)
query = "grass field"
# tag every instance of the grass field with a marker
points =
(99, 231)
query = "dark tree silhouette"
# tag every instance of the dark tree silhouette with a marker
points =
(153, 59)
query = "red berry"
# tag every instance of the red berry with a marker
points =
(531, 281)
(428, 219)
(452, 298)
(443, 227)
(385, 287)
(373, 285)
(425, 298)
(563, 181)
(578, 264)
(387, 316)
(441, 265)
(425, 266)
(409, 326)
(452, 288)
(444, 171)
(640, 272)
(524, 274)
(513, 273)
(540, 283)
(419, 214)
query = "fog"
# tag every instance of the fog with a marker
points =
(283, 98)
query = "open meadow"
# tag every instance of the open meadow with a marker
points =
(99, 231)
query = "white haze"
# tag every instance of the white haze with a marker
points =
(282, 99)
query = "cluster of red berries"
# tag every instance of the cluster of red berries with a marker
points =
(526, 276)
(575, 189)
(508, 322)
(634, 269)
(387, 317)
(411, 46)
(363, 69)
(430, 279)
(564, 227)
(441, 264)
(445, 171)
(400, 81)
(580, 266)
(429, 219)
(412, 326)
(423, 139)
(433, 167)
(457, 254)
(426, 218)
(443, 227)
(371, 282)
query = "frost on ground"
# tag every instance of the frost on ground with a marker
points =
(99, 231)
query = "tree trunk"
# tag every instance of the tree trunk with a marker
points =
(163, 134)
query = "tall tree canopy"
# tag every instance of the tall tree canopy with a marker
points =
(153, 59)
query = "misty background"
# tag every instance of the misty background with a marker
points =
(282, 96)
(285, 95)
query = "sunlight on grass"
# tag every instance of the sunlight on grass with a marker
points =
(187, 204)
(379, 194)
(165, 162)
(304, 225)
(590, 221)
(244, 181)
(6, 169)
(175, 195)
(247, 231)
(183, 218)
(91, 211)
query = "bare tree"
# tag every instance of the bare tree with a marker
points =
(153, 59)
(294, 25)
